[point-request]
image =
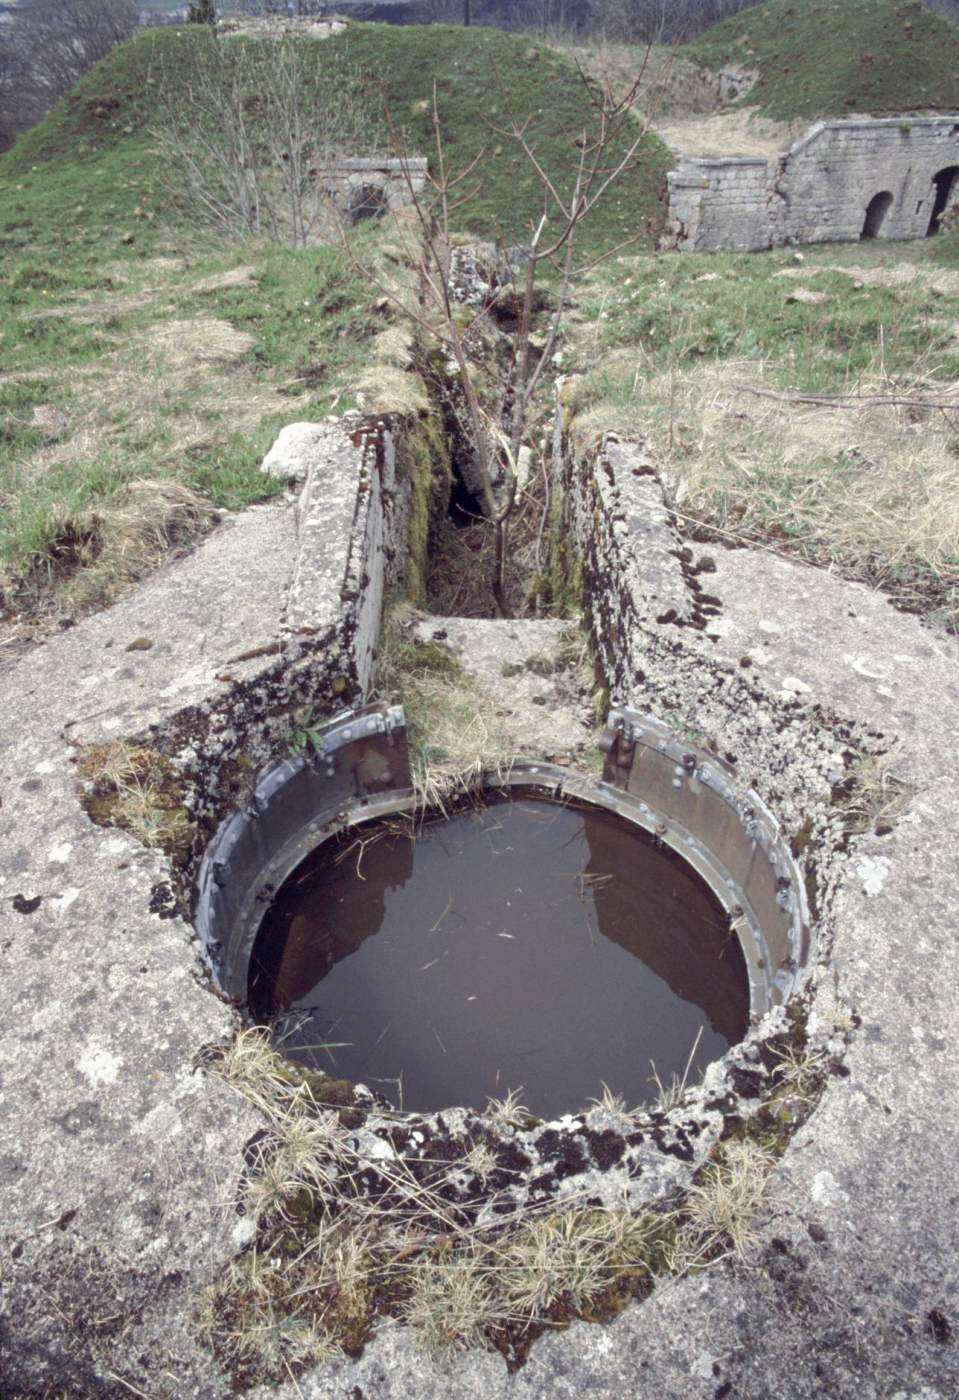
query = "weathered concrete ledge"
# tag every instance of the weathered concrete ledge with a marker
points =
(119, 1161)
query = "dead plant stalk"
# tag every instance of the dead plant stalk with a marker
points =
(605, 153)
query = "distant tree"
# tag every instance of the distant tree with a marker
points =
(617, 21)
(250, 131)
(46, 48)
(657, 21)
(457, 12)
(20, 99)
(202, 12)
(444, 11)
(558, 18)
(949, 9)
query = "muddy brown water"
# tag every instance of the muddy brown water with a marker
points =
(521, 944)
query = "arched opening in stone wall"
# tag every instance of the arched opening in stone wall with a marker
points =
(876, 211)
(945, 186)
(367, 202)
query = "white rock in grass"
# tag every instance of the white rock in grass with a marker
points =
(244, 1232)
(294, 450)
(524, 461)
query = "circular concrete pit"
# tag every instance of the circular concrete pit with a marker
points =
(850, 1287)
(551, 931)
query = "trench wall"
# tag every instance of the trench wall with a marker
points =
(820, 189)
(656, 634)
(360, 512)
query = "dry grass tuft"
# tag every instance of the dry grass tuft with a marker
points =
(327, 1258)
(616, 1106)
(191, 343)
(877, 797)
(671, 86)
(509, 1111)
(735, 133)
(799, 1077)
(129, 536)
(454, 738)
(258, 1326)
(721, 1209)
(452, 1302)
(574, 1258)
(136, 789)
(872, 491)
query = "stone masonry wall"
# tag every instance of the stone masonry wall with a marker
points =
(354, 178)
(820, 189)
(720, 204)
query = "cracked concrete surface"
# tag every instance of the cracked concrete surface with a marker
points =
(854, 1290)
(119, 1160)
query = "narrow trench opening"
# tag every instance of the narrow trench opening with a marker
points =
(461, 542)
(465, 509)
(506, 317)
(520, 943)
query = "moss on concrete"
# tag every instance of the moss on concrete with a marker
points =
(424, 462)
(137, 789)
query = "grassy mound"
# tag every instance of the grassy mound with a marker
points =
(824, 428)
(100, 133)
(828, 58)
(137, 348)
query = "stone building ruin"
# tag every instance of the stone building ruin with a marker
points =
(843, 180)
(368, 187)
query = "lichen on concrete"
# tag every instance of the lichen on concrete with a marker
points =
(121, 1163)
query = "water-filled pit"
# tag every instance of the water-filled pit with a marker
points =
(520, 943)
(551, 933)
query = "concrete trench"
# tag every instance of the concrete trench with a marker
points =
(120, 1159)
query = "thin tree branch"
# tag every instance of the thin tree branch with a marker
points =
(851, 400)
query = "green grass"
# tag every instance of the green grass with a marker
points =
(716, 307)
(482, 76)
(674, 347)
(307, 310)
(824, 58)
(946, 249)
(90, 401)
(96, 258)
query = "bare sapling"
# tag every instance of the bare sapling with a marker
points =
(607, 149)
(251, 132)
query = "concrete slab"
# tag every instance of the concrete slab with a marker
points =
(532, 673)
(854, 1289)
(118, 1157)
(119, 1162)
